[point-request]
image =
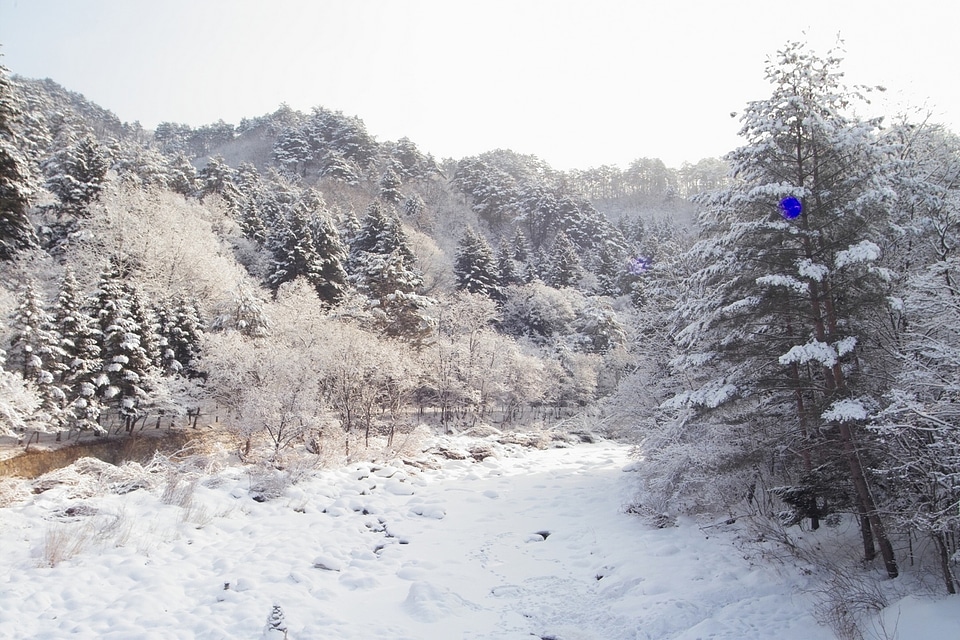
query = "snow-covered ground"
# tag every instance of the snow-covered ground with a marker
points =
(528, 544)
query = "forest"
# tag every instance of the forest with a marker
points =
(322, 292)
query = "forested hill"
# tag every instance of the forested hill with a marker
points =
(292, 269)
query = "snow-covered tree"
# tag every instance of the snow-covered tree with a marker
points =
(332, 284)
(16, 231)
(776, 314)
(182, 331)
(383, 267)
(76, 174)
(217, 177)
(182, 176)
(390, 184)
(243, 313)
(80, 340)
(917, 421)
(539, 312)
(19, 402)
(475, 267)
(127, 367)
(35, 350)
(564, 268)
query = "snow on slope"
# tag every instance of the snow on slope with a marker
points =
(532, 544)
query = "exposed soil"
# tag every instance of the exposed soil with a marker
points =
(113, 449)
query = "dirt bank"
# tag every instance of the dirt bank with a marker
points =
(115, 450)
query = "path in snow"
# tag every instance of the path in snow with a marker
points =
(525, 547)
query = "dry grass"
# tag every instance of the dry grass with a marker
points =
(65, 540)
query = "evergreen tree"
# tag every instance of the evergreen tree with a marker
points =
(292, 151)
(475, 267)
(509, 271)
(148, 328)
(76, 174)
(80, 346)
(776, 319)
(609, 270)
(564, 269)
(299, 253)
(36, 352)
(218, 178)
(16, 232)
(373, 233)
(127, 366)
(383, 267)
(252, 203)
(519, 248)
(182, 176)
(390, 184)
(181, 330)
(332, 284)
(413, 207)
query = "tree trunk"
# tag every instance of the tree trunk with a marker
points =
(866, 532)
(866, 501)
(948, 578)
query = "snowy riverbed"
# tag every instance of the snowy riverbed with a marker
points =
(529, 544)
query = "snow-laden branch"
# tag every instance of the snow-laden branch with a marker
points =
(864, 251)
(845, 410)
(812, 351)
(788, 282)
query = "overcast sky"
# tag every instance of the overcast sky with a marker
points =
(578, 83)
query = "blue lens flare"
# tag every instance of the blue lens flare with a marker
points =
(790, 208)
(639, 265)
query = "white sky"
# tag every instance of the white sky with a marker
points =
(577, 83)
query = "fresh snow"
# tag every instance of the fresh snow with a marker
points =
(814, 351)
(526, 544)
(864, 251)
(783, 281)
(845, 410)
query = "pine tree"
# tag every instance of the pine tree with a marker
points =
(127, 366)
(564, 269)
(181, 330)
(252, 204)
(390, 184)
(76, 174)
(292, 151)
(182, 176)
(218, 178)
(507, 266)
(36, 352)
(373, 232)
(16, 232)
(299, 253)
(475, 267)
(148, 328)
(609, 270)
(80, 346)
(777, 310)
(332, 283)
(383, 267)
